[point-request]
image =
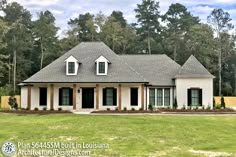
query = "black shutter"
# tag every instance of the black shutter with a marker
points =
(134, 96)
(189, 97)
(114, 96)
(71, 97)
(104, 95)
(60, 97)
(43, 96)
(200, 97)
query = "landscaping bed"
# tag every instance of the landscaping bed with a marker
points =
(165, 110)
(127, 111)
(33, 111)
(227, 110)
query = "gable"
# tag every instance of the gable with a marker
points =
(192, 68)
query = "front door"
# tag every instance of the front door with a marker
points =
(87, 97)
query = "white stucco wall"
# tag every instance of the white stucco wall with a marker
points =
(183, 84)
(23, 98)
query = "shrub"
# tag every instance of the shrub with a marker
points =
(208, 107)
(218, 107)
(133, 109)
(196, 108)
(116, 109)
(140, 109)
(175, 106)
(203, 107)
(45, 108)
(183, 108)
(59, 109)
(26, 108)
(150, 107)
(12, 102)
(36, 109)
(125, 109)
(108, 109)
(222, 102)
(52, 109)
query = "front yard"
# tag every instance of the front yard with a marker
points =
(144, 135)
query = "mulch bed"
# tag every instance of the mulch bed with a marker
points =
(177, 111)
(197, 110)
(33, 112)
(128, 111)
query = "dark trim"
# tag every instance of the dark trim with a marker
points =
(70, 96)
(104, 95)
(189, 96)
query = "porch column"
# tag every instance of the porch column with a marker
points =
(142, 96)
(51, 96)
(97, 96)
(119, 99)
(29, 98)
(74, 97)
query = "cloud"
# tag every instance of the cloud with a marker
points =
(55, 11)
(42, 3)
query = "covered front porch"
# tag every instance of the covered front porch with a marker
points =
(84, 96)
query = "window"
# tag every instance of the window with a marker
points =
(166, 97)
(109, 96)
(134, 96)
(159, 97)
(101, 67)
(152, 96)
(65, 96)
(42, 96)
(71, 67)
(194, 97)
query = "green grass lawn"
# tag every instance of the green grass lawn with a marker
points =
(127, 135)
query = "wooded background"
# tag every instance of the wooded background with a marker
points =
(26, 46)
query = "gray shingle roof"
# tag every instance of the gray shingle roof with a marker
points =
(157, 69)
(86, 54)
(193, 68)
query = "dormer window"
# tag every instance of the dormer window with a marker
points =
(102, 66)
(72, 66)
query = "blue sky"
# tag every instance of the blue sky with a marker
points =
(64, 10)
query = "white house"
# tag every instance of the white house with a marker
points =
(91, 76)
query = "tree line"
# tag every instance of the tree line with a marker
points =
(26, 46)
